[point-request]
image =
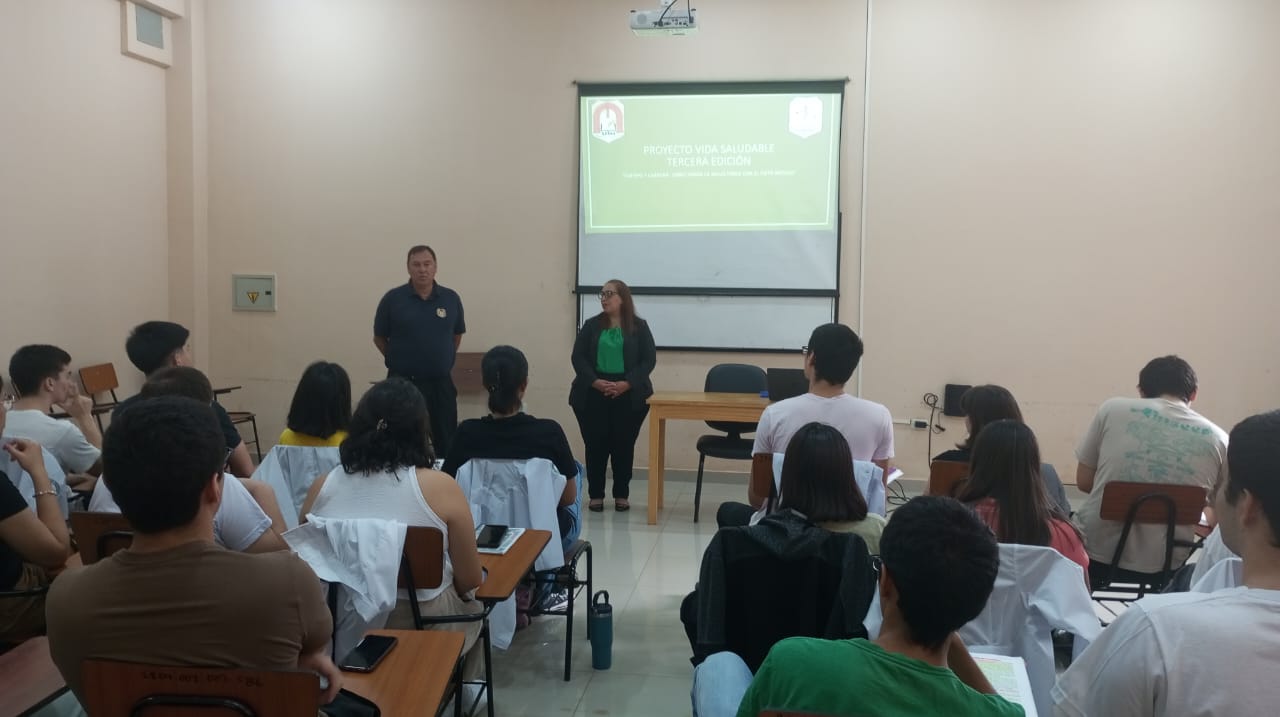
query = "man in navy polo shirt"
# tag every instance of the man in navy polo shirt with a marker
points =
(418, 327)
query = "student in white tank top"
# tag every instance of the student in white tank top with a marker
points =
(386, 473)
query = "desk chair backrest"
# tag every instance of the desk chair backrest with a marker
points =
(100, 378)
(98, 535)
(117, 689)
(290, 471)
(735, 378)
(766, 480)
(1168, 504)
(945, 477)
(422, 566)
(1037, 591)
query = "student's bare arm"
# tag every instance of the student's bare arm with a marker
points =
(265, 497)
(1084, 477)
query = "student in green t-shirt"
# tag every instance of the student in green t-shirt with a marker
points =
(939, 566)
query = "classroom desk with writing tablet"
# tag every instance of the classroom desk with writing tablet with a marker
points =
(413, 677)
(28, 678)
(505, 571)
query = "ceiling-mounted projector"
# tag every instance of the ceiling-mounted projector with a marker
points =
(666, 20)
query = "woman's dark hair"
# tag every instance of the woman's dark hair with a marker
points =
(322, 402)
(627, 313)
(504, 370)
(1005, 466)
(985, 404)
(817, 476)
(388, 431)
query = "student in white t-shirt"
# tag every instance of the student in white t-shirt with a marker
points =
(43, 380)
(1200, 653)
(1153, 439)
(241, 523)
(829, 360)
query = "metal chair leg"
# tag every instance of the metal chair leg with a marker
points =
(568, 634)
(457, 686)
(697, 492)
(257, 446)
(488, 665)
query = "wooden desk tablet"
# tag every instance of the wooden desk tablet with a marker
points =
(413, 677)
(690, 406)
(28, 678)
(505, 571)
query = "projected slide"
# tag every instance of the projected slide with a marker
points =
(710, 163)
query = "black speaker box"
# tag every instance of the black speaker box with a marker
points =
(951, 399)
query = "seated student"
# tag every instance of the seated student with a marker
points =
(43, 380)
(818, 537)
(1157, 438)
(939, 567)
(321, 408)
(829, 360)
(815, 483)
(386, 474)
(1200, 653)
(31, 543)
(175, 597)
(241, 522)
(1005, 491)
(982, 405)
(157, 344)
(508, 432)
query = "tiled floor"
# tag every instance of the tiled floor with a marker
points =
(647, 570)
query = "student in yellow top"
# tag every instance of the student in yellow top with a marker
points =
(321, 408)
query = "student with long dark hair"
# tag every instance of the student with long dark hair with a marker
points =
(510, 433)
(985, 404)
(816, 483)
(386, 474)
(321, 407)
(612, 359)
(1005, 490)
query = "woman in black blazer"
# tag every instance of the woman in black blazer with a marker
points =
(612, 359)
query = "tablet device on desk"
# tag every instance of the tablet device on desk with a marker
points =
(786, 383)
(366, 656)
(491, 536)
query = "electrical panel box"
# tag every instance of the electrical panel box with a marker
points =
(253, 292)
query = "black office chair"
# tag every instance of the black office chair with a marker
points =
(728, 378)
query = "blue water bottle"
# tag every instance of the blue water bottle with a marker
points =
(600, 617)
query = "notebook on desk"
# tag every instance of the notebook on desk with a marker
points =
(508, 539)
(1008, 675)
(785, 383)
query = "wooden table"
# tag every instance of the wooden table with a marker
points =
(28, 678)
(690, 406)
(413, 677)
(505, 571)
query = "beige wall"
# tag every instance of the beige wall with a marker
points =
(1056, 193)
(341, 133)
(82, 183)
(1059, 192)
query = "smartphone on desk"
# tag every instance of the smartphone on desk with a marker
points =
(490, 536)
(366, 656)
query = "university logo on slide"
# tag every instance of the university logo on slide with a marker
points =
(606, 120)
(805, 117)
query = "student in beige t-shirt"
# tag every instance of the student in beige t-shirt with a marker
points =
(1153, 439)
(175, 597)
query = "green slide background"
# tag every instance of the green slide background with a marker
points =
(625, 190)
